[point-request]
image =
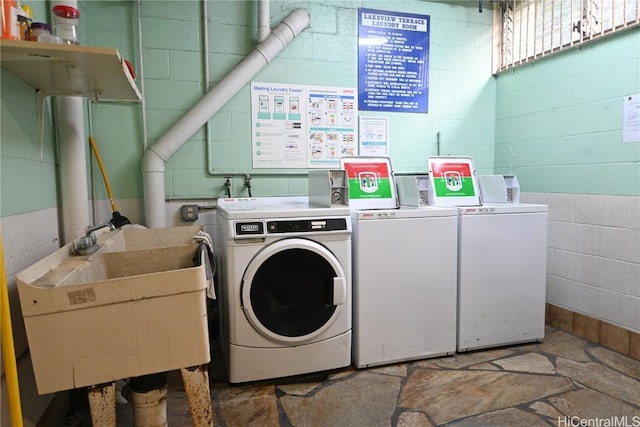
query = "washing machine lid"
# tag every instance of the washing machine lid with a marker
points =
(453, 181)
(370, 182)
(497, 209)
(274, 207)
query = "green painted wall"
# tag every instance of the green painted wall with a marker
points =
(556, 123)
(461, 105)
(559, 120)
(462, 92)
(116, 127)
(27, 168)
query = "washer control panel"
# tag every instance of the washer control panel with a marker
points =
(256, 229)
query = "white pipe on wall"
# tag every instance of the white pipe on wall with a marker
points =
(156, 156)
(143, 104)
(205, 48)
(264, 27)
(73, 167)
(73, 161)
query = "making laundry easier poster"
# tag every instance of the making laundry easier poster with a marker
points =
(278, 114)
(296, 126)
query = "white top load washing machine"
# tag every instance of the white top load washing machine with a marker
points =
(502, 266)
(285, 273)
(404, 284)
(502, 251)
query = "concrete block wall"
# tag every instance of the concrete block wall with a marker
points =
(461, 104)
(559, 129)
(559, 120)
(593, 255)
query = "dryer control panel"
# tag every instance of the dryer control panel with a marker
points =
(307, 225)
(257, 229)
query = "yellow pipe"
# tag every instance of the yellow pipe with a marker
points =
(8, 350)
(94, 147)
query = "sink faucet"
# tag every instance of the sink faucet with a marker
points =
(90, 230)
(88, 243)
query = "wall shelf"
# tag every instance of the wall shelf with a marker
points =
(97, 73)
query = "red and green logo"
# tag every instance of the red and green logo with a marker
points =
(452, 180)
(368, 180)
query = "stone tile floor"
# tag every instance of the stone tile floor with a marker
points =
(564, 381)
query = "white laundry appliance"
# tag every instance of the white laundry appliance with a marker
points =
(404, 284)
(501, 274)
(285, 273)
(502, 250)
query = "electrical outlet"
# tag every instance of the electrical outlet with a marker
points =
(189, 212)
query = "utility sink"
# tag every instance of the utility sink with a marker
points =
(135, 306)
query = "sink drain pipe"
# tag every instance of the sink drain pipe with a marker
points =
(147, 396)
(149, 408)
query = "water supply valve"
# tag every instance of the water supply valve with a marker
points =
(227, 184)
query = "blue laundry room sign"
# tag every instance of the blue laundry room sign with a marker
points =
(393, 61)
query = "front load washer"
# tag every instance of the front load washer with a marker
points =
(285, 272)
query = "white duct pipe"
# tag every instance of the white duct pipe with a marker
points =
(205, 48)
(156, 156)
(73, 167)
(264, 25)
(143, 104)
(73, 161)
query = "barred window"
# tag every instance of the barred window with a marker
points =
(530, 29)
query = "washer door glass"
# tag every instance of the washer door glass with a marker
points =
(293, 290)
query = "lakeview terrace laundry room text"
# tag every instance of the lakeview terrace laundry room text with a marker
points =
(398, 22)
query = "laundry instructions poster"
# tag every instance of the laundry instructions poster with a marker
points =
(297, 126)
(374, 136)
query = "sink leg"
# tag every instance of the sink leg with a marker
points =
(196, 386)
(102, 403)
